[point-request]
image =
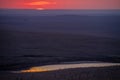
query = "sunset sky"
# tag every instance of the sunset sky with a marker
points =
(60, 4)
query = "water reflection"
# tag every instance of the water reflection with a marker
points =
(67, 66)
(34, 69)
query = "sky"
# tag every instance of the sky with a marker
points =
(60, 4)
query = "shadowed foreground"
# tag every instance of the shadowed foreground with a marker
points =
(106, 73)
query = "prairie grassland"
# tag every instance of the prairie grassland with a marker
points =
(104, 73)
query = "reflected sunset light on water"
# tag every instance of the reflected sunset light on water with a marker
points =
(65, 66)
(33, 69)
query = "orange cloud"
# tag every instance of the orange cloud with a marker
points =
(40, 3)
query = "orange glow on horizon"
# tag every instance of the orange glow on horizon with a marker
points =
(60, 4)
(40, 3)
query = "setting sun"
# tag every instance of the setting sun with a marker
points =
(40, 3)
(40, 9)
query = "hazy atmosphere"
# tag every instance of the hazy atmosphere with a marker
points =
(59, 40)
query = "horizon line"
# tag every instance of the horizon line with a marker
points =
(52, 9)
